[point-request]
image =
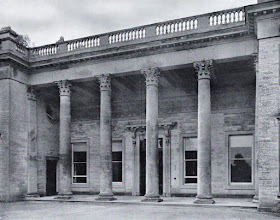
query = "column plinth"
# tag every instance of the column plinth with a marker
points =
(152, 172)
(106, 172)
(204, 196)
(64, 162)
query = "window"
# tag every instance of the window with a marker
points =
(190, 160)
(117, 161)
(240, 158)
(79, 163)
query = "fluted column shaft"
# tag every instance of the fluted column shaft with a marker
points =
(152, 172)
(106, 175)
(203, 69)
(64, 163)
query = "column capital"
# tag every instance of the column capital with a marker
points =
(151, 75)
(203, 69)
(105, 82)
(64, 87)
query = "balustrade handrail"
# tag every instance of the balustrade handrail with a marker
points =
(140, 32)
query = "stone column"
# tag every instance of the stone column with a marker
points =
(203, 70)
(64, 162)
(106, 172)
(152, 173)
(256, 197)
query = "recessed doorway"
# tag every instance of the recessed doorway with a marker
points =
(143, 166)
(51, 177)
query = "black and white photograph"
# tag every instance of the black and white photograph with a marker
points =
(139, 109)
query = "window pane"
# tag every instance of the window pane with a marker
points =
(80, 156)
(117, 156)
(79, 179)
(190, 180)
(240, 152)
(80, 169)
(117, 172)
(190, 154)
(241, 171)
(191, 168)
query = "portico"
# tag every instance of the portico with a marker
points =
(174, 108)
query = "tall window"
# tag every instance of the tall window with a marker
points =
(190, 157)
(117, 161)
(240, 158)
(79, 163)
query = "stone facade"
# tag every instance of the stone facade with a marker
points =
(110, 114)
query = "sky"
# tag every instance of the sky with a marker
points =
(44, 21)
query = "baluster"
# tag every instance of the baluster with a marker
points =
(176, 27)
(211, 20)
(160, 30)
(219, 19)
(241, 16)
(236, 17)
(231, 17)
(180, 26)
(188, 25)
(144, 33)
(195, 24)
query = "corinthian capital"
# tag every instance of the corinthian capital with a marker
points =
(151, 75)
(105, 82)
(203, 69)
(64, 87)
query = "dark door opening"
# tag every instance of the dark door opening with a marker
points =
(51, 178)
(143, 167)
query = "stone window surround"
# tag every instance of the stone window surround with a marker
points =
(120, 185)
(240, 186)
(87, 141)
(184, 185)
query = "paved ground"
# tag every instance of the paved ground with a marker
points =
(88, 210)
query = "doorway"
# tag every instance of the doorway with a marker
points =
(143, 166)
(51, 178)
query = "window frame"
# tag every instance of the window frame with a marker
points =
(182, 170)
(119, 184)
(240, 185)
(73, 142)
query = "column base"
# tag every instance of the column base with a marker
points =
(67, 195)
(152, 199)
(105, 198)
(255, 199)
(204, 200)
(32, 195)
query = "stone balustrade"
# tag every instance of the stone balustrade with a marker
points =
(158, 31)
(177, 26)
(45, 50)
(83, 43)
(227, 17)
(129, 35)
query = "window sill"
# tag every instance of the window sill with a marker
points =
(189, 186)
(241, 187)
(118, 185)
(80, 185)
